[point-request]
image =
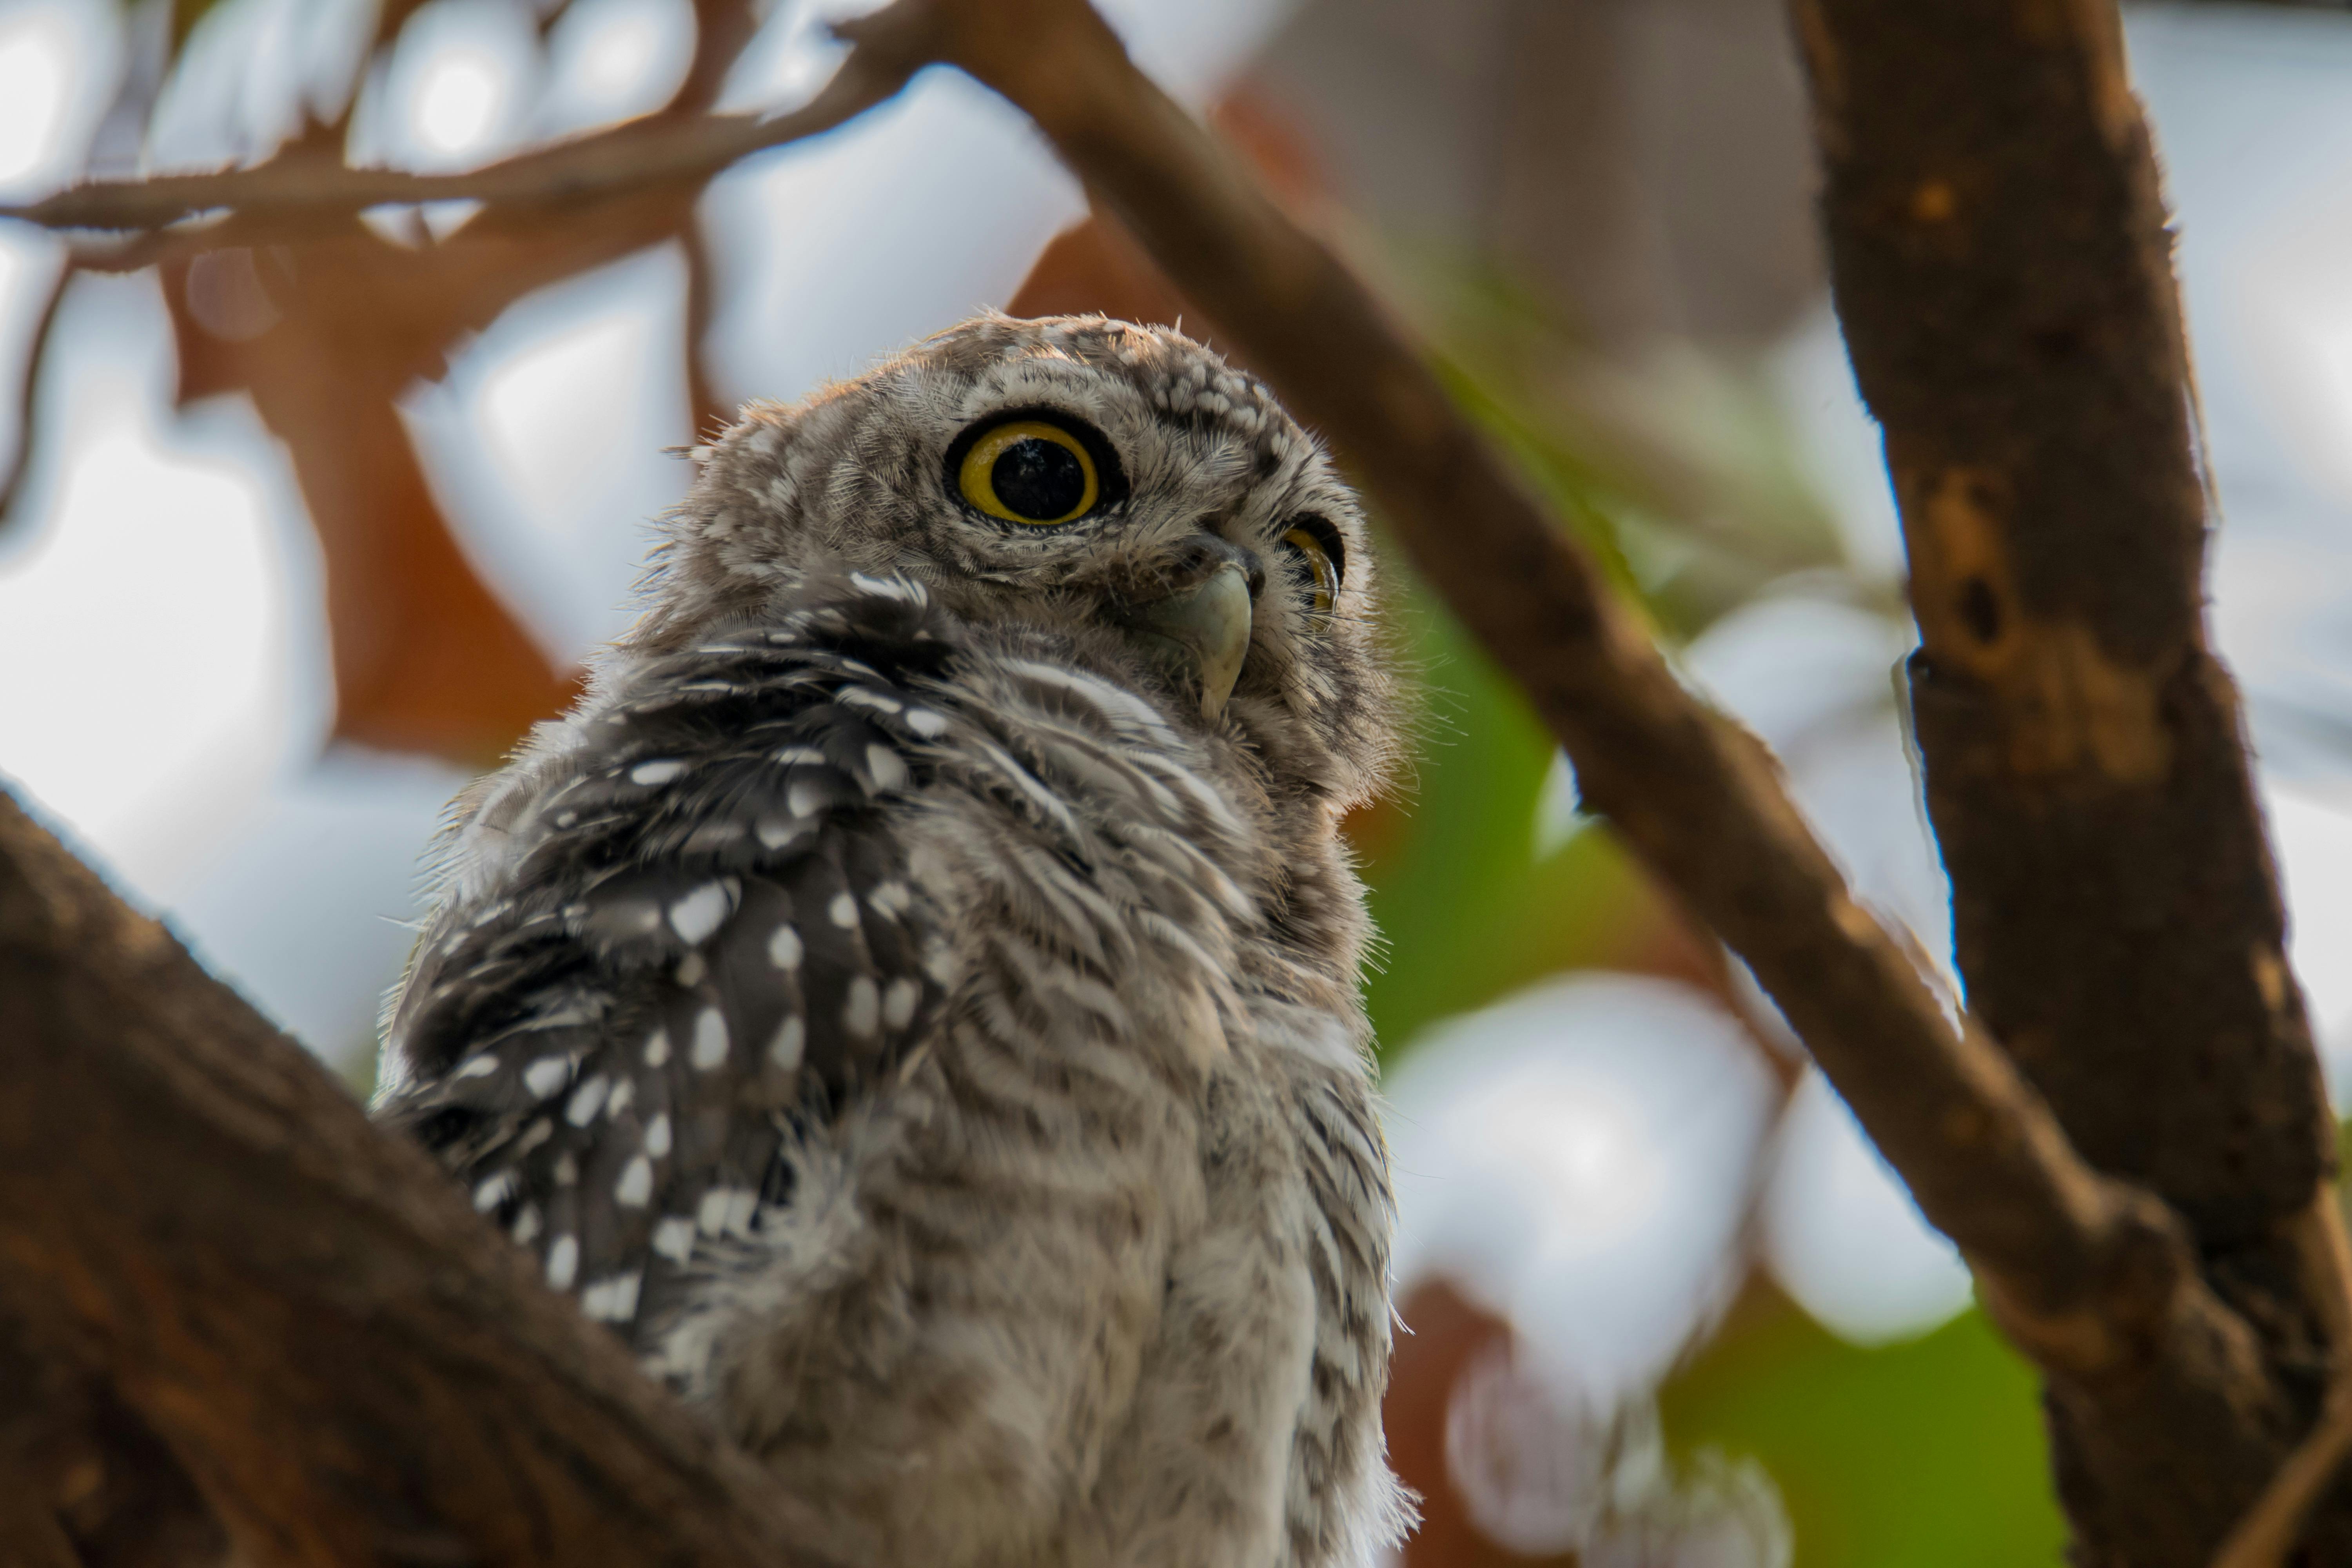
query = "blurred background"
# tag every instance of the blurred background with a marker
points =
(296, 540)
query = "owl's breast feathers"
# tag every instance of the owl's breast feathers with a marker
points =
(710, 915)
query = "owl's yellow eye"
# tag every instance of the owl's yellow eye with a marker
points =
(1317, 550)
(1031, 472)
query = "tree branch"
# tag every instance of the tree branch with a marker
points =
(2003, 271)
(353, 1368)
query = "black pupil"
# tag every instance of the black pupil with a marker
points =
(1040, 479)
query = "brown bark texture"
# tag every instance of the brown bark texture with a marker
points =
(350, 1365)
(2003, 271)
(351, 1368)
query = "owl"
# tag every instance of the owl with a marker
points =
(912, 998)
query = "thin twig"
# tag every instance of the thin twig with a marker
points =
(708, 414)
(302, 191)
(722, 29)
(28, 391)
(2275, 1524)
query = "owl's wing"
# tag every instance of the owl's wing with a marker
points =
(711, 938)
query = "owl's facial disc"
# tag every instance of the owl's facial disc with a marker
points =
(1201, 633)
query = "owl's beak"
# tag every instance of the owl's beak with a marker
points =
(1201, 633)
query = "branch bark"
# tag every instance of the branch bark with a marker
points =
(352, 1367)
(2003, 272)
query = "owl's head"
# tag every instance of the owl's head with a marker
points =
(1116, 494)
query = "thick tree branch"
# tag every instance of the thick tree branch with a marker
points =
(2004, 275)
(352, 1367)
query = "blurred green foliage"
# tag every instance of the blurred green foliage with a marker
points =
(1928, 1454)
(1467, 910)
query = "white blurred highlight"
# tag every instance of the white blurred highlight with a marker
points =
(146, 602)
(613, 60)
(554, 494)
(43, 43)
(2313, 840)
(1578, 1157)
(459, 89)
(1841, 1235)
(248, 74)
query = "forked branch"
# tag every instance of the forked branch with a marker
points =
(2094, 1279)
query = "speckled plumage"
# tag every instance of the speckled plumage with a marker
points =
(904, 1010)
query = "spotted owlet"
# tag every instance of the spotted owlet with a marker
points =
(912, 998)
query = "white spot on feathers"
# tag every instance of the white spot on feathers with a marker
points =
(613, 1300)
(657, 1135)
(618, 1100)
(843, 912)
(924, 722)
(547, 1075)
(657, 1048)
(711, 1214)
(635, 1186)
(898, 1003)
(674, 1238)
(563, 1261)
(526, 1225)
(691, 969)
(791, 1039)
(494, 1191)
(660, 771)
(477, 1067)
(742, 1203)
(784, 948)
(863, 1011)
(890, 771)
(888, 588)
(709, 1039)
(586, 1101)
(859, 697)
(701, 911)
